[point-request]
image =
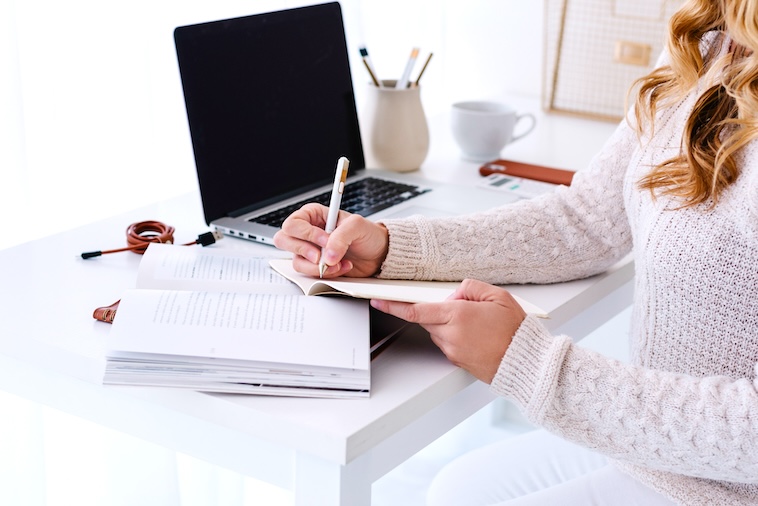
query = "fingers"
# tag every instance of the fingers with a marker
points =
(422, 313)
(356, 248)
(306, 266)
(479, 291)
(302, 232)
(438, 313)
(472, 289)
(473, 327)
(351, 229)
(338, 242)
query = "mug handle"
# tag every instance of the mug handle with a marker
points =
(531, 127)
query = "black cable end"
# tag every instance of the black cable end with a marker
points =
(209, 238)
(91, 254)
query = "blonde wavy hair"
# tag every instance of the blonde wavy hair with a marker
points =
(725, 116)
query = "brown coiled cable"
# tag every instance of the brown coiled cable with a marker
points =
(139, 235)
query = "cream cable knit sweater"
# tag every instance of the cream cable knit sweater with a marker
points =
(683, 416)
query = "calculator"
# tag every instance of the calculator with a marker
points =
(525, 188)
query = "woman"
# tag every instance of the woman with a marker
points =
(677, 184)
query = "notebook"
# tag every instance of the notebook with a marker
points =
(271, 108)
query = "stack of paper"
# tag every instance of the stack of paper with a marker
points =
(248, 331)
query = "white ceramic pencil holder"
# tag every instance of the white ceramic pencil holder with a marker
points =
(394, 128)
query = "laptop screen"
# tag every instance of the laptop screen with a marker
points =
(270, 105)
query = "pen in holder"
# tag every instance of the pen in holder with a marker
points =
(395, 131)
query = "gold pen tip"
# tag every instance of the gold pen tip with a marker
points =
(321, 270)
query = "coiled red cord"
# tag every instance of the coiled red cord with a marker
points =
(139, 236)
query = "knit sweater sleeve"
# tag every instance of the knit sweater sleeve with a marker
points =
(704, 427)
(575, 232)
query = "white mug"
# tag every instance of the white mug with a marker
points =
(482, 129)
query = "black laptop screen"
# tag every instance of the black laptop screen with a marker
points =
(270, 105)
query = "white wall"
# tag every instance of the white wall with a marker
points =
(92, 119)
(482, 48)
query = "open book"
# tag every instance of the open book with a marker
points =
(219, 320)
(373, 288)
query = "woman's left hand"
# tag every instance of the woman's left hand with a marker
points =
(473, 327)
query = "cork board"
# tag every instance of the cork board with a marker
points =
(596, 49)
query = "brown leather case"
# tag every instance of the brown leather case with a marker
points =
(527, 171)
(107, 313)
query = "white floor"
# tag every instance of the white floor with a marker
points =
(48, 458)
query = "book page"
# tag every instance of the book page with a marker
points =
(367, 288)
(166, 266)
(263, 328)
(386, 289)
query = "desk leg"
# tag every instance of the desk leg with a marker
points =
(322, 483)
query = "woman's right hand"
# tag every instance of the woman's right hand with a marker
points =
(356, 248)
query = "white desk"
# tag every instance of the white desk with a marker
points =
(327, 451)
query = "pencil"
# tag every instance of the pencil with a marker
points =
(369, 67)
(423, 69)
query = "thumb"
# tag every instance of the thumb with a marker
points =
(474, 290)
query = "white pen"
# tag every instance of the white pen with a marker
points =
(334, 206)
(405, 78)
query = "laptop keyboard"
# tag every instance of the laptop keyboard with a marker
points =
(365, 197)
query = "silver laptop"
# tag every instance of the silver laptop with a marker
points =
(271, 108)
